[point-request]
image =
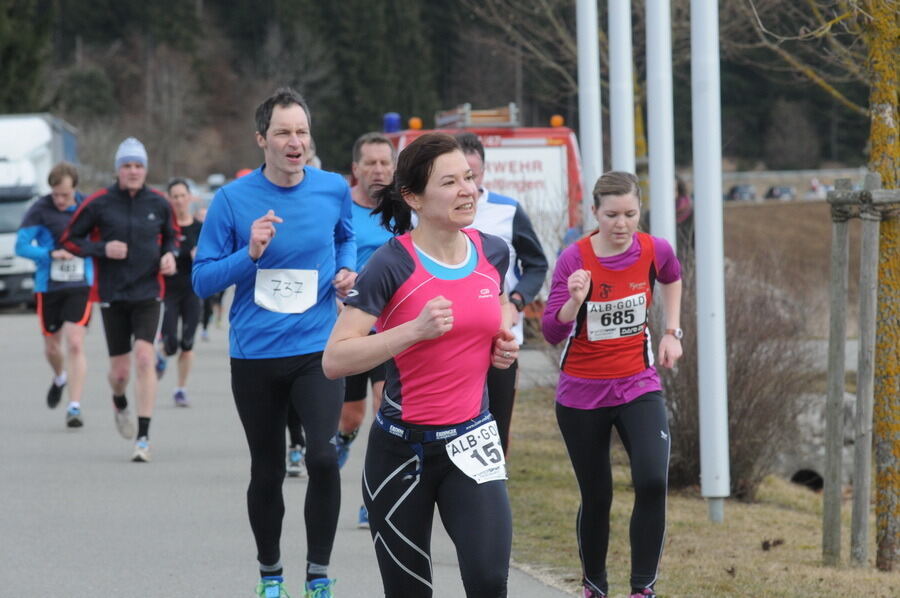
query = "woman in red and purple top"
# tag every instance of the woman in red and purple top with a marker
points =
(434, 296)
(599, 302)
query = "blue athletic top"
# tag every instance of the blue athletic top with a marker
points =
(39, 235)
(370, 235)
(317, 234)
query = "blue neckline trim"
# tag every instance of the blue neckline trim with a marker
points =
(441, 271)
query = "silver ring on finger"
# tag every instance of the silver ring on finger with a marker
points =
(446, 319)
(506, 354)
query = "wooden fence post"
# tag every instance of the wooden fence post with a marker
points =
(834, 403)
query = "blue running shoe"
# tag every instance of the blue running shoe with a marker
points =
(73, 417)
(160, 365)
(180, 398)
(342, 443)
(271, 587)
(363, 522)
(295, 465)
(320, 588)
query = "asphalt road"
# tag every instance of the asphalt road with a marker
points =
(78, 519)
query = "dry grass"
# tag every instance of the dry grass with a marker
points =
(799, 234)
(701, 558)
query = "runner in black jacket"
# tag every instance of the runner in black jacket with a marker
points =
(132, 238)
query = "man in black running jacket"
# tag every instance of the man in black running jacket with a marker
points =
(133, 240)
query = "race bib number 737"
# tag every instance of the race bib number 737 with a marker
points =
(286, 291)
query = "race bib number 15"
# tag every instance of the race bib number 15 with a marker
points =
(286, 291)
(478, 453)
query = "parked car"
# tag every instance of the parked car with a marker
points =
(741, 193)
(784, 193)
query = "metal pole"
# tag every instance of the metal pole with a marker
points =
(710, 267)
(590, 130)
(661, 129)
(621, 86)
(865, 382)
(834, 404)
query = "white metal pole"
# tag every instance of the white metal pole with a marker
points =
(707, 145)
(590, 129)
(621, 86)
(660, 130)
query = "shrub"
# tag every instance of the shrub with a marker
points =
(769, 367)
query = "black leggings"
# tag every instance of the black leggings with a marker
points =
(501, 385)
(295, 428)
(401, 511)
(262, 389)
(643, 427)
(184, 305)
(214, 299)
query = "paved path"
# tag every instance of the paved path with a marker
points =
(79, 520)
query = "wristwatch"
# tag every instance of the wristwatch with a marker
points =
(516, 299)
(676, 332)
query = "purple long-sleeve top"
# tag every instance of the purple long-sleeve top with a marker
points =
(589, 393)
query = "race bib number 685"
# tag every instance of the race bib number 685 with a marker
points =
(617, 318)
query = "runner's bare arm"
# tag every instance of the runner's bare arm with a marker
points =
(351, 349)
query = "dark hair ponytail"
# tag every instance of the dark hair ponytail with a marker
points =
(414, 166)
(396, 215)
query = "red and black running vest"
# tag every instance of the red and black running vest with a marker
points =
(610, 338)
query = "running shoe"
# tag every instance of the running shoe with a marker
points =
(295, 465)
(54, 395)
(342, 444)
(141, 450)
(320, 588)
(180, 398)
(271, 587)
(204, 335)
(645, 593)
(124, 423)
(73, 417)
(363, 521)
(160, 364)
(592, 593)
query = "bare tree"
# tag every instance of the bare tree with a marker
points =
(830, 42)
(174, 109)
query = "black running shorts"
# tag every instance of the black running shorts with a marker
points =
(55, 308)
(127, 320)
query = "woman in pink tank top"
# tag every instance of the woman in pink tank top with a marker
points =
(434, 296)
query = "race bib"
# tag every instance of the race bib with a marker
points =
(67, 270)
(615, 319)
(286, 291)
(478, 453)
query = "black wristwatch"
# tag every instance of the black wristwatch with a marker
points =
(517, 300)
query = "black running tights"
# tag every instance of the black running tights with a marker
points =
(401, 509)
(643, 427)
(262, 389)
(501, 385)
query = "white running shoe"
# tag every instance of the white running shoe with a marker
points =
(141, 450)
(124, 424)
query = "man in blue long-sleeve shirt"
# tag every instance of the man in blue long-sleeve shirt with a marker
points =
(283, 236)
(62, 285)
